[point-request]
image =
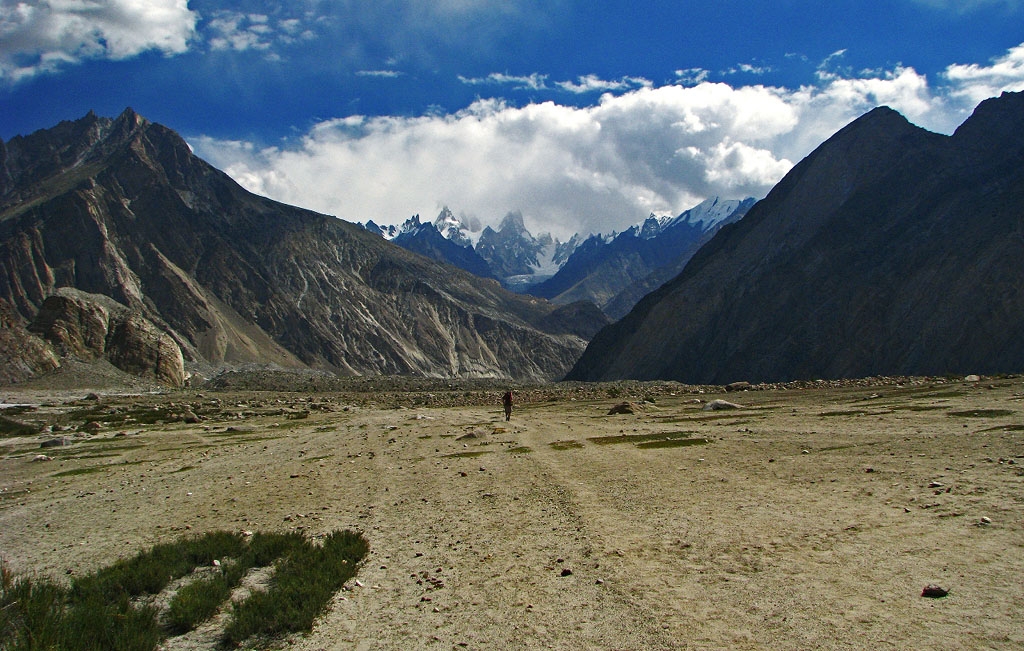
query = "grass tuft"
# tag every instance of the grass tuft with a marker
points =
(640, 438)
(566, 445)
(982, 413)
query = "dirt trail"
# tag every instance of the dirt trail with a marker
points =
(808, 519)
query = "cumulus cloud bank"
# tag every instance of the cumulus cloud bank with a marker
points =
(41, 36)
(596, 168)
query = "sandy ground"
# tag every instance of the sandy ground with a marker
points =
(809, 519)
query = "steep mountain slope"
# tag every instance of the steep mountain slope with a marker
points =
(121, 208)
(684, 236)
(888, 250)
(615, 273)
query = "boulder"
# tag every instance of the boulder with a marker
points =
(718, 405)
(624, 408)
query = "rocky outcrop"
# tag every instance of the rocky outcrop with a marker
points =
(887, 251)
(90, 326)
(24, 355)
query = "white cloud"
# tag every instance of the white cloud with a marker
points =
(967, 6)
(534, 81)
(40, 37)
(692, 76)
(383, 74)
(594, 84)
(238, 31)
(749, 69)
(594, 168)
(974, 83)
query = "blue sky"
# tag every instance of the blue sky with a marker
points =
(585, 115)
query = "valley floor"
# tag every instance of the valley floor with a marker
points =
(807, 518)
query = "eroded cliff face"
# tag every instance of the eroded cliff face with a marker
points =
(89, 326)
(887, 251)
(122, 209)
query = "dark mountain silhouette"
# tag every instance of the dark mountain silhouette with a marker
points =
(157, 242)
(888, 250)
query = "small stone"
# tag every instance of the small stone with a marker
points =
(566, 572)
(986, 520)
(935, 484)
(933, 591)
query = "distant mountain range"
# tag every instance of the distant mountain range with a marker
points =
(612, 271)
(889, 250)
(118, 244)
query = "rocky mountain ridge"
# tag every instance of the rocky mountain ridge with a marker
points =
(612, 271)
(889, 250)
(616, 271)
(121, 209)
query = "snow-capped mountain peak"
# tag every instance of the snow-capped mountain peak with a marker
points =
(452, 228)
(708, 213)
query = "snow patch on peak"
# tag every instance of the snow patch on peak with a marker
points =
(709, 213)
(453, 228)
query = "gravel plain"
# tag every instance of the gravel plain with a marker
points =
(812, 516)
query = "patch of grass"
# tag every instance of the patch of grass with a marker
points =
(97, 611)
(9, 427)
(842, 412)
(301, 589)
(1004, 428)
(920, 407)
(522, 449)
(982, 413)
(640, 438)
(183, 469)
(468, 455)
(672, 443)
(944, 394)
(101, 455)
(231, 431)
(200, 600)
(566, 445)
(17, 409)
(80, 471)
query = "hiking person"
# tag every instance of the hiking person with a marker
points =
(506, 401)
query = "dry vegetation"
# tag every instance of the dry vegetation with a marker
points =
(812, 517)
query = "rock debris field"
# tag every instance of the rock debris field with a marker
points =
(803, 516)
